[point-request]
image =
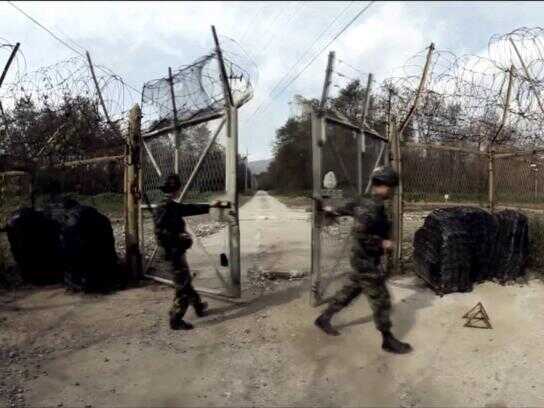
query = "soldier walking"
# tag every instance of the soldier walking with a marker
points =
(370, 234)
(172, 236)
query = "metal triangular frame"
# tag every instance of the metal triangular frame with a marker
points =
(477, 314)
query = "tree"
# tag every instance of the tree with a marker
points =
(70, 129)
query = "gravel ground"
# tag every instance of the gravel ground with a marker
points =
(73, 350)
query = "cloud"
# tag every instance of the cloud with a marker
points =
(140, 40)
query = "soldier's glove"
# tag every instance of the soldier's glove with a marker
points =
(185, 241)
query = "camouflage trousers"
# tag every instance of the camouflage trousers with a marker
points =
(185, 294)
(369, 279)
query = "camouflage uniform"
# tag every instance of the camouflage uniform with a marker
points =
(173, 238)
(370, 228)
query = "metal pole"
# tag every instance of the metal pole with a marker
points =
(531, 81)
(8, 64)
(376, 164)
(177, 135)
(361, 136)
(327, 83)
(232, 194)
(106, 114)
(133, 255)
(231, 168)
(200, 161)
(506, 105)
(318, 128)
(419, 90)
(397, 198)
(222, 71)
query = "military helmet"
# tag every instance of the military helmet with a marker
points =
(171, 184)
(385, 176)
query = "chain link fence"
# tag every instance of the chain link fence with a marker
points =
(519, 185)
(209, 231)
(440, 176)
(435, 177)
(339, 156)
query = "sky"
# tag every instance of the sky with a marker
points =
(140, 40)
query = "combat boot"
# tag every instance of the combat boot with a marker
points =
(392, 345)
(201, 309)
(177, 323)
(324, 322)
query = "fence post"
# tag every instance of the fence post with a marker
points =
(177, 131)
(419, 90)
(232, 194)
(491, 179)
(132, 194)
(396, 162)
(361, 138)
(318, 128)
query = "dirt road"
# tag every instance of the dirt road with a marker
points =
(73, 350)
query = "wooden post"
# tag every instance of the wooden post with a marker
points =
(2, 77)
(318, 128)
(327, 83)
(491, 180)
(232, 196)
(133, 182)
(397, 198)
(100, 98)
(361, 136)
(8, 64)
(418, 92)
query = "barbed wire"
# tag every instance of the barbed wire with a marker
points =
(55, 113)
(464, 98)
(197, 87)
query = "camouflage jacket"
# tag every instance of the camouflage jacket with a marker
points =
(169, 222)
(370, 225)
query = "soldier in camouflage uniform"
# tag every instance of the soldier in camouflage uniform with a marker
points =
(173, 238)
(370, 233)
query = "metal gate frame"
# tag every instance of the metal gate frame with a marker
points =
(319, 135)
(229, 116)
(319, 121)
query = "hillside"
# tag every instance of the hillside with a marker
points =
(259, 166)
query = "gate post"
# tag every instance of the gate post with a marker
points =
(132, 194)
(396, 162)
(318, 133)
(232, 196)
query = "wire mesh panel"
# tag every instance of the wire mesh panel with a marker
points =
(339, 157)
(209, 231)
(519, 182)
(435, 177)
(519, 185)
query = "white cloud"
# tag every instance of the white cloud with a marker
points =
(139, 40)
